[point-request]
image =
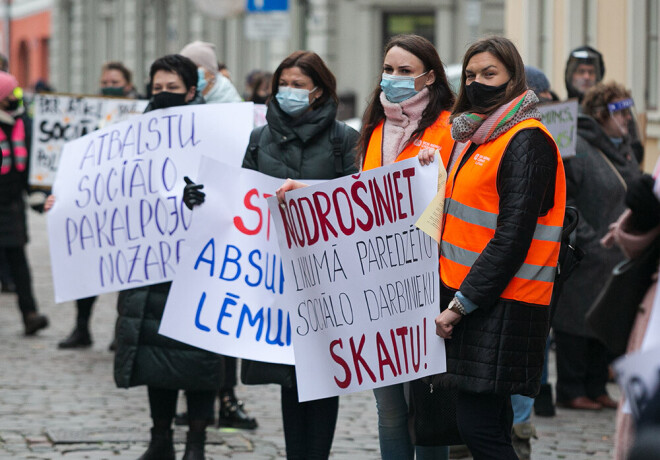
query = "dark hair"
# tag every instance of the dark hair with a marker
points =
(596, 99)
(116, 65)
(264, 77)
(441, 96)
(313, 66)
(221, 66)
(505, 51)
(180, 65)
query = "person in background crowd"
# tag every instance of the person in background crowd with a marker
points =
(635, 232)
(261, 89)
(298, 143)
(538, 82)
(15, 146)
(7, 284)
(222, 68)
(250, 79)
(412, 102)
(116, 80)
(597, 178)
(143, 356)
(214, 86)
(497, 271)
(584, 68)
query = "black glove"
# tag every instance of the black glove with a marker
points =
(191, 193)
(643, 203)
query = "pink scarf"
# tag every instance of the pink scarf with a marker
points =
(401, 120)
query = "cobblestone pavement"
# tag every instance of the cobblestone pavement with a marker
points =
(64, 404)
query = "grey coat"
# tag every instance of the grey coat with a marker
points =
(598, 193)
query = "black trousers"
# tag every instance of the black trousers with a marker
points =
(84, 312)
(309, 427)
(581, 367)
(230, 374)
(162, 403)
(20, 272)
(485, 421)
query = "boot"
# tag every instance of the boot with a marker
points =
(79, 338)
(543, 405)
(33, 321)
(521, 436)
(195, 441)
(233, 415)
(161, 446)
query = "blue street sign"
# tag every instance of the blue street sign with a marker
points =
(255, 6)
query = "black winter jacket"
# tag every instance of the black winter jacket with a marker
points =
(300, 148)
(499, 348)
(144, 357)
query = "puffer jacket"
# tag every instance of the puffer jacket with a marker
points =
(499, 347)
(144, 357)
(596, 181)
(300, 148)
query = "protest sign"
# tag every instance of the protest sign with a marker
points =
(229, 292)
(119, 220)
(638, 374)
(561, 120)
(59, 118)
(364, 279)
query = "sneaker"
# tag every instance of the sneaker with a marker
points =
(232, 414)
(521, 436)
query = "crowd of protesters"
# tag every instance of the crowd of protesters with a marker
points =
(501, 240)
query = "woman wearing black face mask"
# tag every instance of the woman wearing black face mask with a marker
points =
(143, 357)
(504, 211)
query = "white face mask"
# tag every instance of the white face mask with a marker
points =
(293, 101)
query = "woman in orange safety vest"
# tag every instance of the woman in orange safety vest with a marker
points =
(504, 211)
(408, 113)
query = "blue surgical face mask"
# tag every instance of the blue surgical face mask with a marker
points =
(399, 88)
(293, 101)
(201, 79)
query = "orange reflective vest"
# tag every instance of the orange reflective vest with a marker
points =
(437, 136)
(471, 210)
(20, 152)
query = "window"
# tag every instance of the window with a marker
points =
(422, 23)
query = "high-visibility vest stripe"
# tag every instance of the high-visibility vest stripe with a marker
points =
(489, 220)
(438, 135)
(468, 258)
(20, 151)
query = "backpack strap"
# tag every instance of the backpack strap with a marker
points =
(337, 138)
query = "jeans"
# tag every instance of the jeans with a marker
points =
(393, 434)
(522, 408)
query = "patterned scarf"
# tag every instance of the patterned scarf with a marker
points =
(480, 128)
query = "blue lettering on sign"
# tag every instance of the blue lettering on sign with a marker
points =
(278, 328)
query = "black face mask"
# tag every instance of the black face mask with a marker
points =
(13, 105)
(165, 99)
(259, 99)
(482, 96)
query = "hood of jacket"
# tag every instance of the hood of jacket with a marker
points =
(592, 132)
(593, 57)
(305, 127)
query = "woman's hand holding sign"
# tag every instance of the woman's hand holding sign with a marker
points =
(287, 186)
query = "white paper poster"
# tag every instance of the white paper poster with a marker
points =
(561, 120)
(119, 221)
(60, 118)
(365, 280)
(229, 295)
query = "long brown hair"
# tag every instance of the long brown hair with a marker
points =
(441, 97)
(313, 66)
(504, 50)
